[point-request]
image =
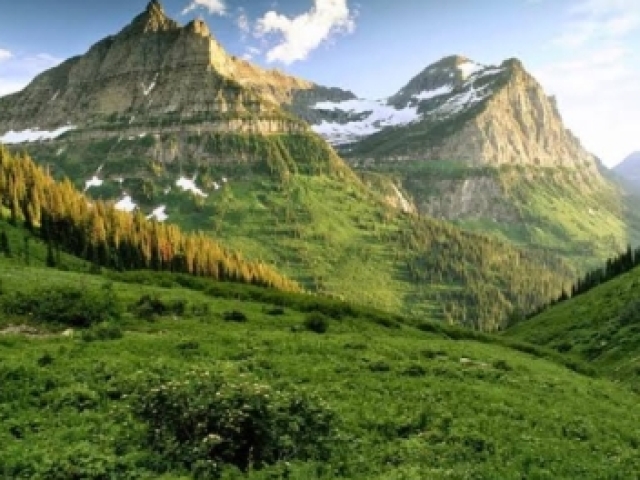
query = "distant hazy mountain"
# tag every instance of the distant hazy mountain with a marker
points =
(629, 169)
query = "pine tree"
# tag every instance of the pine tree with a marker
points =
(5, 247)
(51, 259)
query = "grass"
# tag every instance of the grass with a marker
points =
(409, 403)
(553, 210)
(329, 232)
(601, 326)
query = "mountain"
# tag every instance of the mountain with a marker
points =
(159, 119)
(485, 147)
(156, 72)
(629, 170)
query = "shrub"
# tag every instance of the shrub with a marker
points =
(415, 370)
(102, 332)
(630, 314)
(204, 422)
(379, 366)
(316, 322)
(66, 305)
(502, 365)
(234, 316)
(151, 306)
(275, 311)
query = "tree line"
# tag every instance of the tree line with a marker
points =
(94, 230)
(613, 267)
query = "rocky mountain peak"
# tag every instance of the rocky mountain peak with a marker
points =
(153, 19)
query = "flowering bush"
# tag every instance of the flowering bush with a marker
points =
(206, 421)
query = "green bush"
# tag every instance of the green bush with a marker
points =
(102, 332)
(204, 422)
(65, 305)
(234, 316)
(150, 306)
(316, 322)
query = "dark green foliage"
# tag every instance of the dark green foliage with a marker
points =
(45, 360)
(274, 311)
(234, 316)
(64, 305)
(630, 314)
(103, 332)
(316, 322)
(149, 306)
(206, 421)
(5, 247)
(379, 366)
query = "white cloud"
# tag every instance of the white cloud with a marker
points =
(242, 21)
(251, 52)
(214, 7)
(18, 69)
(599, 20)
(304, 33)
(5, 54)
(599, 97)
(598, 81)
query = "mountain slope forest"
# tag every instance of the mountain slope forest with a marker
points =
(415, 265)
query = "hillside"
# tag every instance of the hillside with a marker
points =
(282, 197)
(601, 326)
(439, 403)
(485, 147)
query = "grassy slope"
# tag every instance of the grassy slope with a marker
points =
(555, 210)
(409, 407)
(601, 325)
(330, 233)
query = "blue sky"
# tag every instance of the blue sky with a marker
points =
(583, 51)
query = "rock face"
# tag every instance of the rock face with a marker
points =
(156, 71)
(484, 146)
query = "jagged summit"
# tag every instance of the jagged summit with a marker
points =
(153, 19)
(155, 71)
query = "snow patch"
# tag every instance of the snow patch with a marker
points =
(159, 214)
(33, 135)
(93, 182)
(469, 68)
(464, 100)
(125, 204)
(147, 90)
(55, 95)
(380, 115)
(436, 92)
(190, 185)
